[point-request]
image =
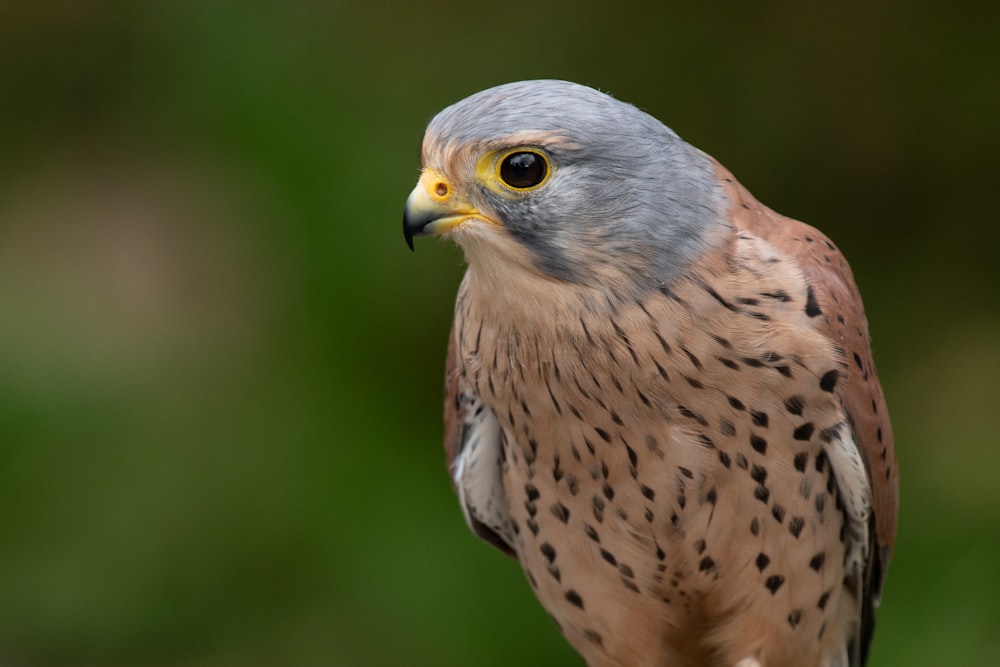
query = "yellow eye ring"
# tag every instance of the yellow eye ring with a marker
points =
(523, 169)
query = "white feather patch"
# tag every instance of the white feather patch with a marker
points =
(478, 472)
(852, 480)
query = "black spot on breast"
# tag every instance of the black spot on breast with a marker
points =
(758, 443)
(548, 551)
(574, 598)
(531, 453)
(728, 363)
(642, 397)
(761, 493)
(759, 418)
(727, 427)
(594, 637)
(694, 360)
(724, 459)
(721, 341)
(591, 532)
(632, 458)
(706, 564)
(778, 512)
(532, 492)
(794, 617)
(795, 405)
(755, 527)
(609, 557)
(762, 561)
(609, 492)
(795, 525)
(804, 432)
(777, 295)
(694, 383)
(774, 582)
(800, 461)
(598, 511)
(816, 562)
(711, 496)
(684, 471)
(573, 485)
(604, 434)
(812, 306)
(829, 380)
(647, 492)
(663, 344)
(667, 292)
(691, 414)
(758, 473)
(735, 402)
(560, 511)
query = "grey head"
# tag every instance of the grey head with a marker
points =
(623, 190)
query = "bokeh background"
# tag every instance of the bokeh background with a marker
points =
(220, 368)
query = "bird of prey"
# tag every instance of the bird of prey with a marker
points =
(660, 394)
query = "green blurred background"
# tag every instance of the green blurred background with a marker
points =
(220, 367)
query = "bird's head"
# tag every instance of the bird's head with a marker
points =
(565, 182)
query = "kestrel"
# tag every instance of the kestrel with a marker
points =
(660, 396)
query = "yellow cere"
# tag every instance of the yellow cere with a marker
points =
(436, 185)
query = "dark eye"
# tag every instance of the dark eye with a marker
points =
(523, 169)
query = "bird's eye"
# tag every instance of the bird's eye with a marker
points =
(523, 170)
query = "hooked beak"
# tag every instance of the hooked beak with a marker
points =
(432, 208)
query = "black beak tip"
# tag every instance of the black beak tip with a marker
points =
(408, 234)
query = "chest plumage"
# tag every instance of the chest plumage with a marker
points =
(695, 469)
